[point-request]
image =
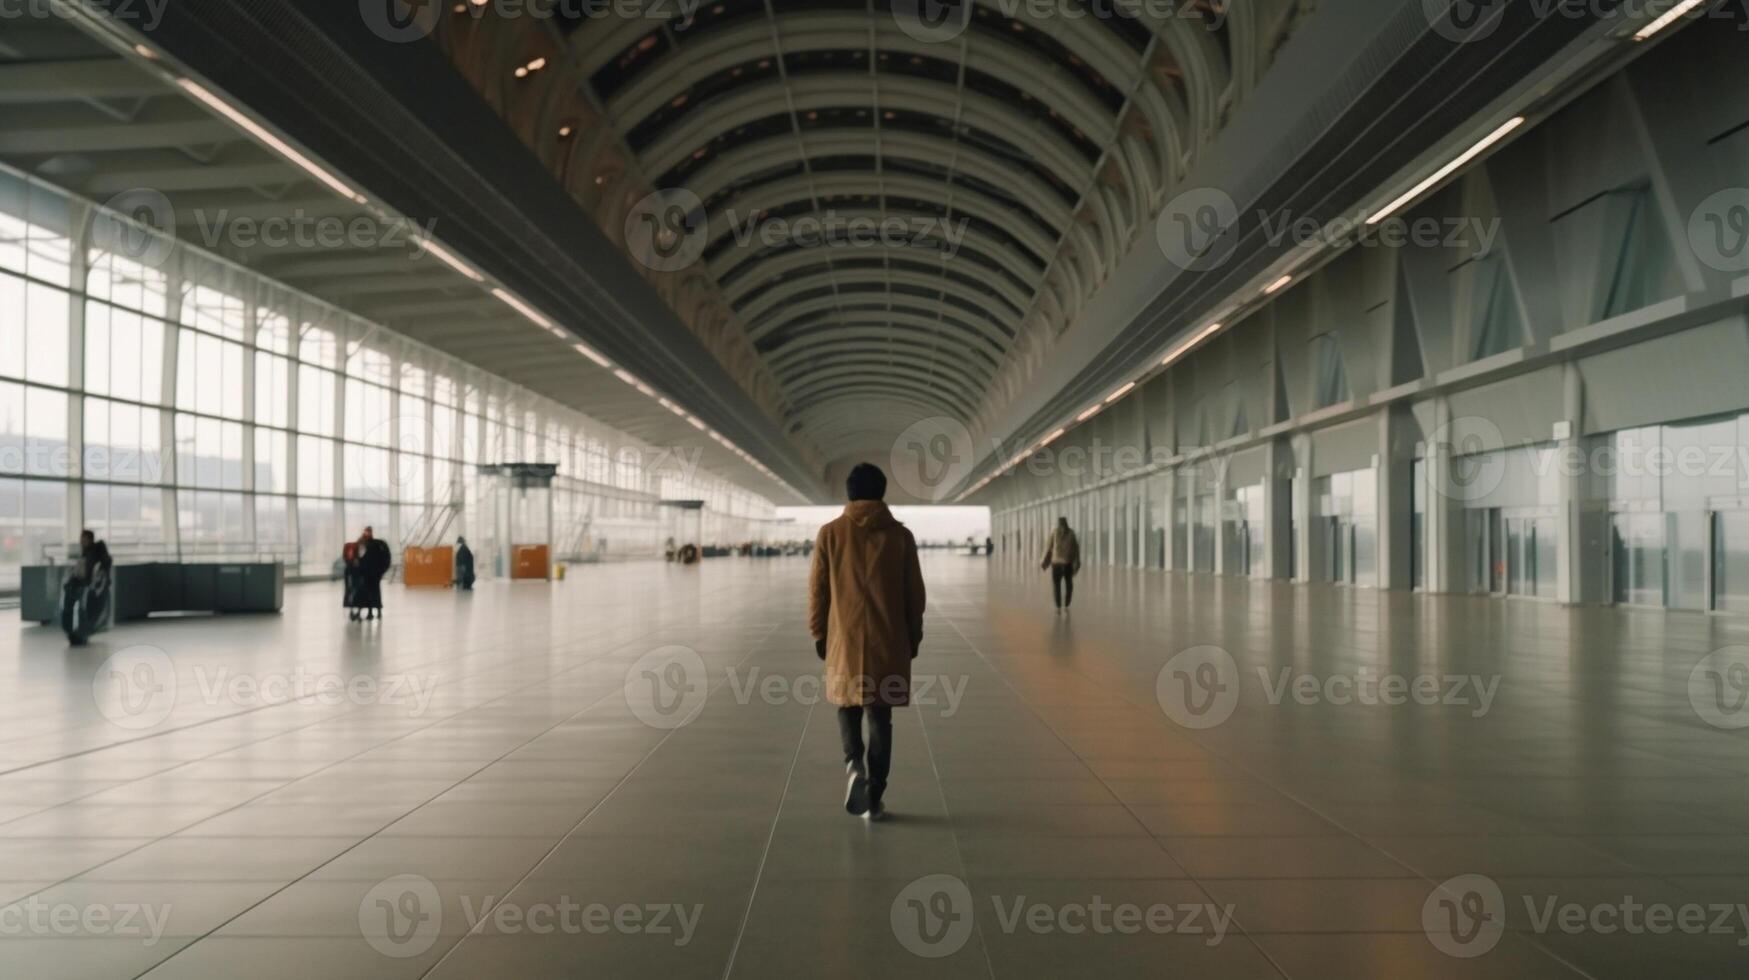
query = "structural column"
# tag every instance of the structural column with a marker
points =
(1302, 510)
(1278, 509)
(1394, 473)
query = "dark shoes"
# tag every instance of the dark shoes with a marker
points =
(876, 812)
(856, 794)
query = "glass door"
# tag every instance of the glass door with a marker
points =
(1638, 565)
(1731, 561)
(1516, 572)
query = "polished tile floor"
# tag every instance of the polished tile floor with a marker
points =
(629, 774)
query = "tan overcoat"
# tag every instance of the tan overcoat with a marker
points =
(865, 599)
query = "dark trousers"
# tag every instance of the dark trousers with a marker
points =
(1063, 584)
(880, 743)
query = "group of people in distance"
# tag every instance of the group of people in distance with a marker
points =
(368, 559)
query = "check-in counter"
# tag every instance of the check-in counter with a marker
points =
(164, 586)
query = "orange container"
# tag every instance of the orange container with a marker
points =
(528, 561)
(428, 566)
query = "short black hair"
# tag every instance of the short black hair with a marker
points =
(866, 482)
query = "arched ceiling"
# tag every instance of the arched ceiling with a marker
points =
(1028, 152)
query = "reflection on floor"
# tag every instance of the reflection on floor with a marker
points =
(629, 774)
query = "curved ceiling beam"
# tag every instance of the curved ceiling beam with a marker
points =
(756, 156)
(728, 220)
(891, 328)
(903, 312)
(829, 412)
(920, 368)
(807, 260)
(736, 261)
(852, 412)
(601, 40)
(929, 351)
(772, 300)
(841, 89)
(701, 57)
(1202, 62)
(813, 388)
(842, 302)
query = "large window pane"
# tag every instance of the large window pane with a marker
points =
(125, 283)
(272, 462)
(209, 375)
(272, 390)
(315, 466)
(45, 342)
(319, 536)
(316, 389)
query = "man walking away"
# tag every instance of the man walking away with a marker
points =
(1063, 558)
(865, 612)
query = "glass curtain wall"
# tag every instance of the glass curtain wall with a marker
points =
(184, 408)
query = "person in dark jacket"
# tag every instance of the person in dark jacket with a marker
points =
(1063, 559)
(88, 582)
(464, 564)
(374, 560)
(350, 572)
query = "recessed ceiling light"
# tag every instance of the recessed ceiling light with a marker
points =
(1670, 17)
(449, 258)
(282, 147)
(1447, 170)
